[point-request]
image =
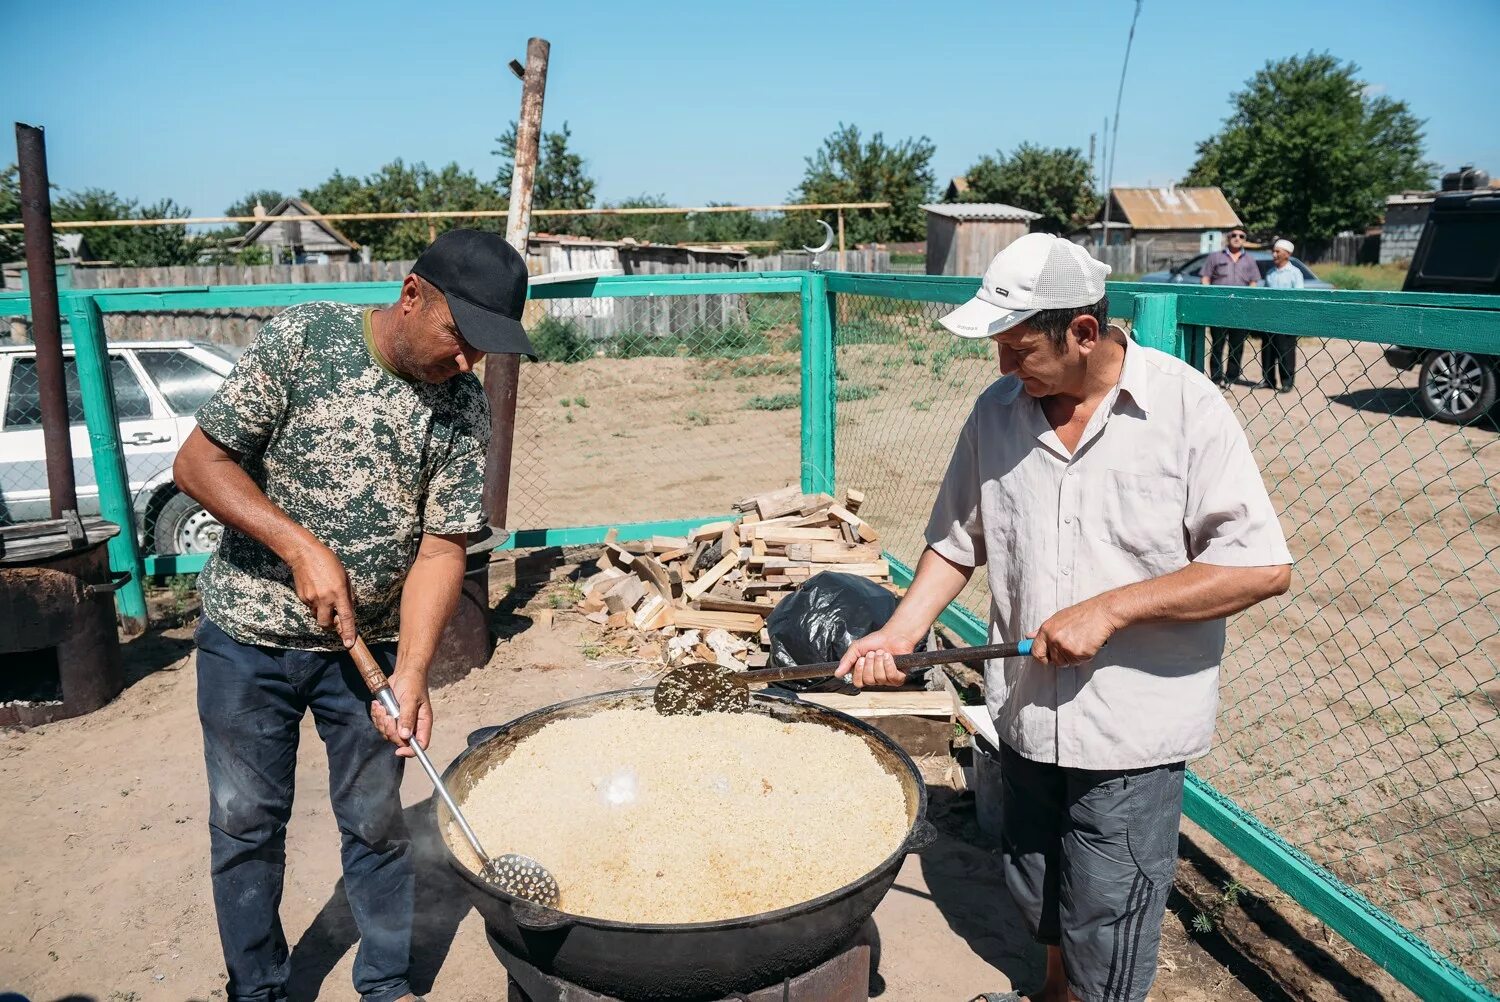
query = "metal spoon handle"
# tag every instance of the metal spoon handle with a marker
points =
(920, 659)
(380, 688)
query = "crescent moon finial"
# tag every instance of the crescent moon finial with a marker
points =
(827, 239)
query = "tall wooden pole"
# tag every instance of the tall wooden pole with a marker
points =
(502, 372)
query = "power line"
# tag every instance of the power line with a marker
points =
(1114, 141)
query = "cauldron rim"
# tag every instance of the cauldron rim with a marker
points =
(558, 918)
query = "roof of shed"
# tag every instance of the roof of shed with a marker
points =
(983, 212)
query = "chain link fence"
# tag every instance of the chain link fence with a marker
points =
(1358, 714)
(639, 408)
(653, 408)
(1359, 710)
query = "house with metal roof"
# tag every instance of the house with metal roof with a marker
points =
(962, 237)
(1169, 224)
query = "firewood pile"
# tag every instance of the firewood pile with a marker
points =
(709, 593)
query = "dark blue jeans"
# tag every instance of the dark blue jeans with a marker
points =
(251, 701)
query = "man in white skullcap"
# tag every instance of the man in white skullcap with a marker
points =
(1278, 353)
(1112, 498)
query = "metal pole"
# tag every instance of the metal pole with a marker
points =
(46, 329)
(502, 372)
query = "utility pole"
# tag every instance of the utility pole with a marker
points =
(502, 372)
(465, 643)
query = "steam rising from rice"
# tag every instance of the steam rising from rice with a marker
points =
(646, 818)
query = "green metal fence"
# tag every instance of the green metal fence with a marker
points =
(1356, 763)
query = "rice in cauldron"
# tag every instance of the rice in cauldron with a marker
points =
(648, 818)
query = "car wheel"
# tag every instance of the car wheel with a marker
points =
(1456, 387)
(183, 527)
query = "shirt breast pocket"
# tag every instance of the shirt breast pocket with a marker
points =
(1142, 513)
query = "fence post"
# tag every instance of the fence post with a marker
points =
(1156, 324)
(817, 384)
(97, 386)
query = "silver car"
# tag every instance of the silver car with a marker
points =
(1191, 271)
(159, 386)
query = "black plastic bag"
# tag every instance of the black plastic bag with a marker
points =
(821, 619)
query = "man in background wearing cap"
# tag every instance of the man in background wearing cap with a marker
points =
(1112, 497)
(345, 456)
(1278, 356)
(1230, 266)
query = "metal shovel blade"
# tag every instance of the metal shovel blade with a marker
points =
(691, 689)
(522, 877)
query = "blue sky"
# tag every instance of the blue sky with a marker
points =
(694, 101)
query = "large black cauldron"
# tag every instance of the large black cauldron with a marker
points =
(703, 960)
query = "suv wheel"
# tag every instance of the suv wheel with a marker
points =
(1456, 387)
(183, 526)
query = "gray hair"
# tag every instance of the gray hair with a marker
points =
(1055, 323)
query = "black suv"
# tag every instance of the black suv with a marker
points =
(1459, 252)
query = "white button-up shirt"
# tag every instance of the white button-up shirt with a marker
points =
(1162, 476)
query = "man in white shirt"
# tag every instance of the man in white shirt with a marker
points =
(1278, 353)
(1112, 497)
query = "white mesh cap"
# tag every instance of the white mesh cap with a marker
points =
(1036, 272)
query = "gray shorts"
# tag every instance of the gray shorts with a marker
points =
(1089, 858)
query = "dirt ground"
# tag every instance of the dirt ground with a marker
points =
(1361, 712)
(105, 855)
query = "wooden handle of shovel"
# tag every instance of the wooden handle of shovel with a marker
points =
(920, 659)
(369, 668)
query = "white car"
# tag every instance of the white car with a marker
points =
(159, 386)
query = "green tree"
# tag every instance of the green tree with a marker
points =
(399, 187)
(667, 228)
(1309, 150)
(848, 168)
(1057, 182)
(12, 244)
(131, 246)
(721, 227)
(561, 180)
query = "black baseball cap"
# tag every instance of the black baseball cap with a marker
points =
(483, 278)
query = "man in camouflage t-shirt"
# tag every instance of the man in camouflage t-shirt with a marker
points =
(345, 456)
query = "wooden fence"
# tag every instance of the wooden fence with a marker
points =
(599, 319)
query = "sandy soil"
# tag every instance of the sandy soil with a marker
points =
(1359, 712)
(106, 857)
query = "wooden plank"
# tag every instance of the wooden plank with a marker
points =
(768, 499)
(862, 529)
(814, 503)
(625, 594)
(653, 574)
(853, 499)
(733, 622)
(711, 576)
(778, 503)
(788, 535)
(604, 580)
(710, 531)
(833, 553)
(654, 604)
(664, 544)
(717, 603)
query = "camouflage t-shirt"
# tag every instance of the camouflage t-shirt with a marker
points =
(365, 460)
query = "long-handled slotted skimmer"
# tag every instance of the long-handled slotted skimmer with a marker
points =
(709, 688)
(513, 873)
